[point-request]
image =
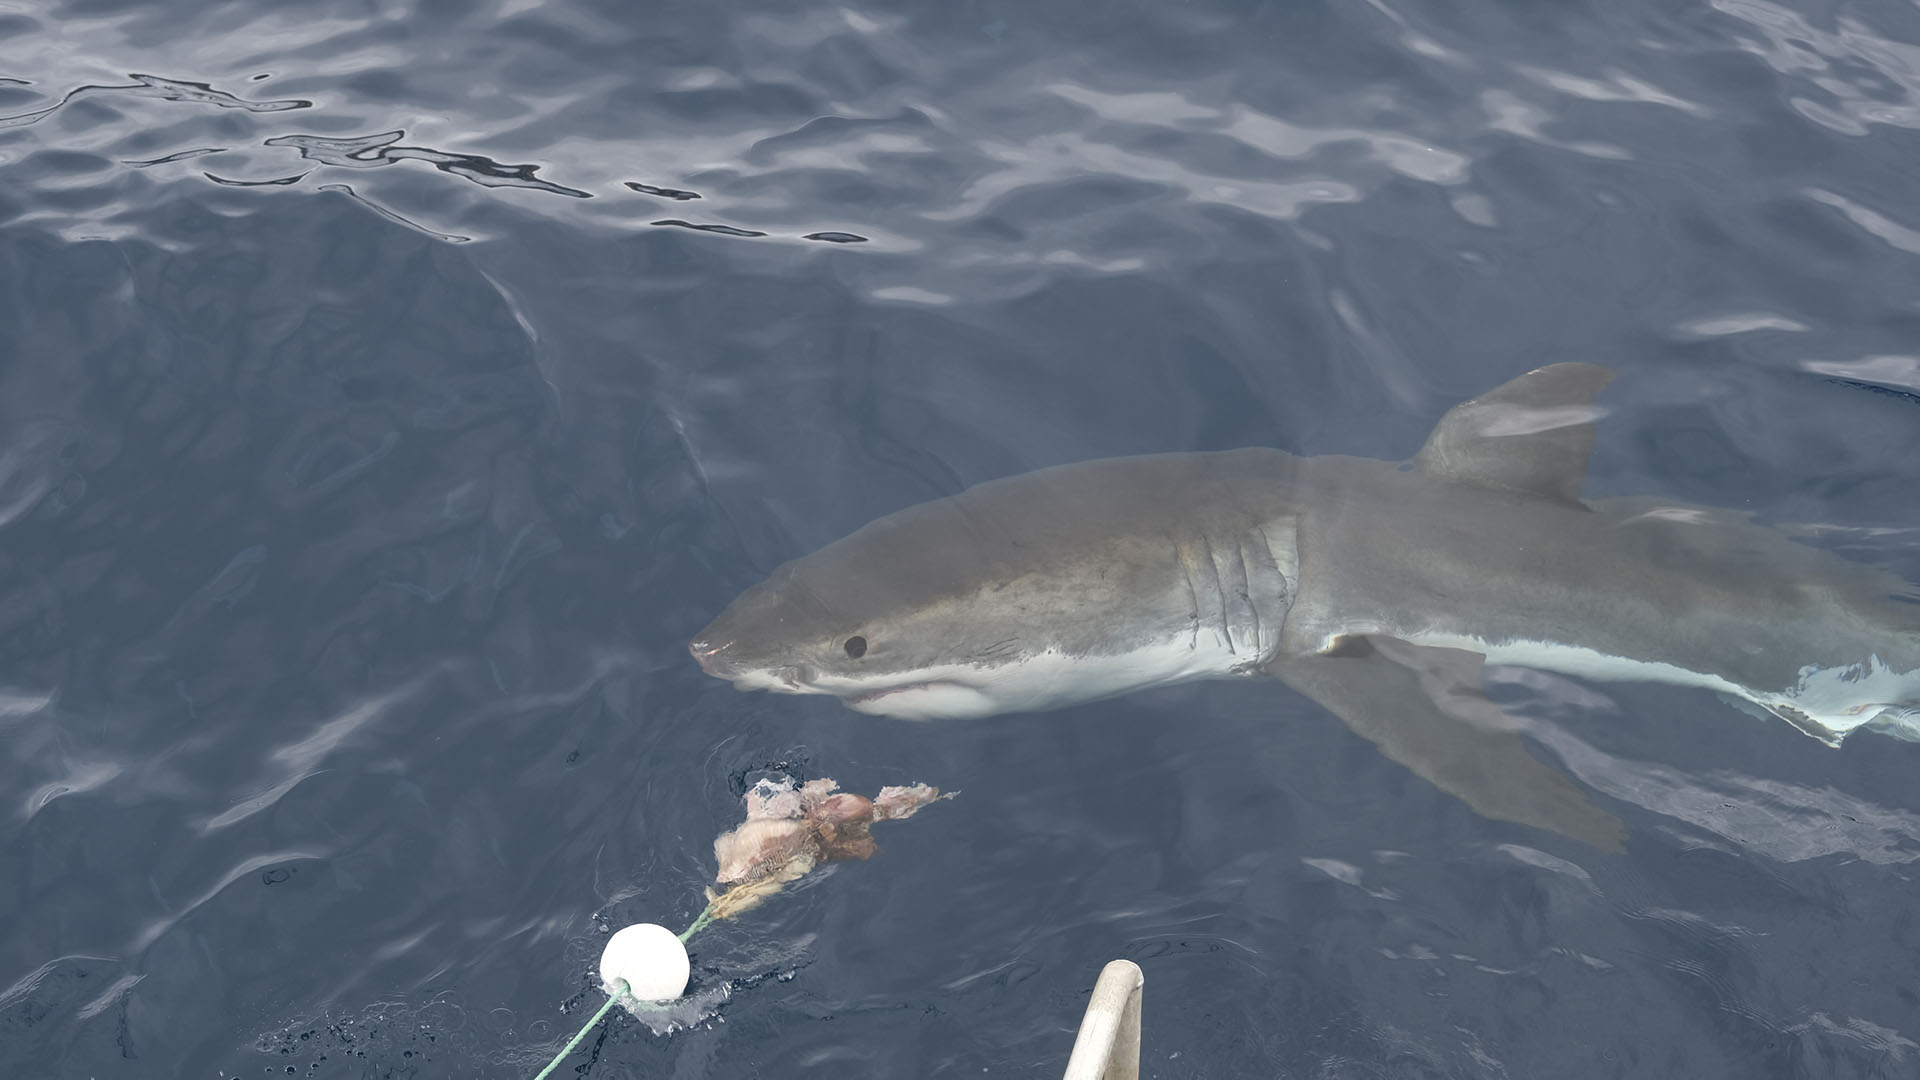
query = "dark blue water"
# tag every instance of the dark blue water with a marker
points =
(388, 391)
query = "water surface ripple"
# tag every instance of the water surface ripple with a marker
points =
(387, 392)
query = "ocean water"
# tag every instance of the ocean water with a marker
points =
(389, 390)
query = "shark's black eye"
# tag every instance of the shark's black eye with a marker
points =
(856, 646)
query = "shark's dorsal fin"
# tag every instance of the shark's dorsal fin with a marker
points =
(1532, 435)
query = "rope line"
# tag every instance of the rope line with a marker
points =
(620, 991)
(699, 923)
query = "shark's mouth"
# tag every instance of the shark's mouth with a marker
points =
(924, 699)
(861, 696)
(868, 697)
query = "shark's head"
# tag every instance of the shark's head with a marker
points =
(1029, 593)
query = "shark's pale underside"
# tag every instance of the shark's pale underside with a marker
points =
(1378, 589)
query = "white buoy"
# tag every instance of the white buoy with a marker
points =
(650, 958)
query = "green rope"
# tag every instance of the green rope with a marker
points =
(699, 924)
(620, 990)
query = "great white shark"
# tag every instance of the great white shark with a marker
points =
(1378, 589)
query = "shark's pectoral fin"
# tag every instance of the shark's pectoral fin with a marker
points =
(1532, 435)
(1424, 708)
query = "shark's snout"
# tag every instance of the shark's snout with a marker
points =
(718, 658)
(711, 657)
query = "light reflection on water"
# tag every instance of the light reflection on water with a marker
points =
(386, 396)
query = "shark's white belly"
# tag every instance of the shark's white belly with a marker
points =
(1045, 680)
(1834, 701)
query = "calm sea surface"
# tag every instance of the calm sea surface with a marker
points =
(389, 390)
